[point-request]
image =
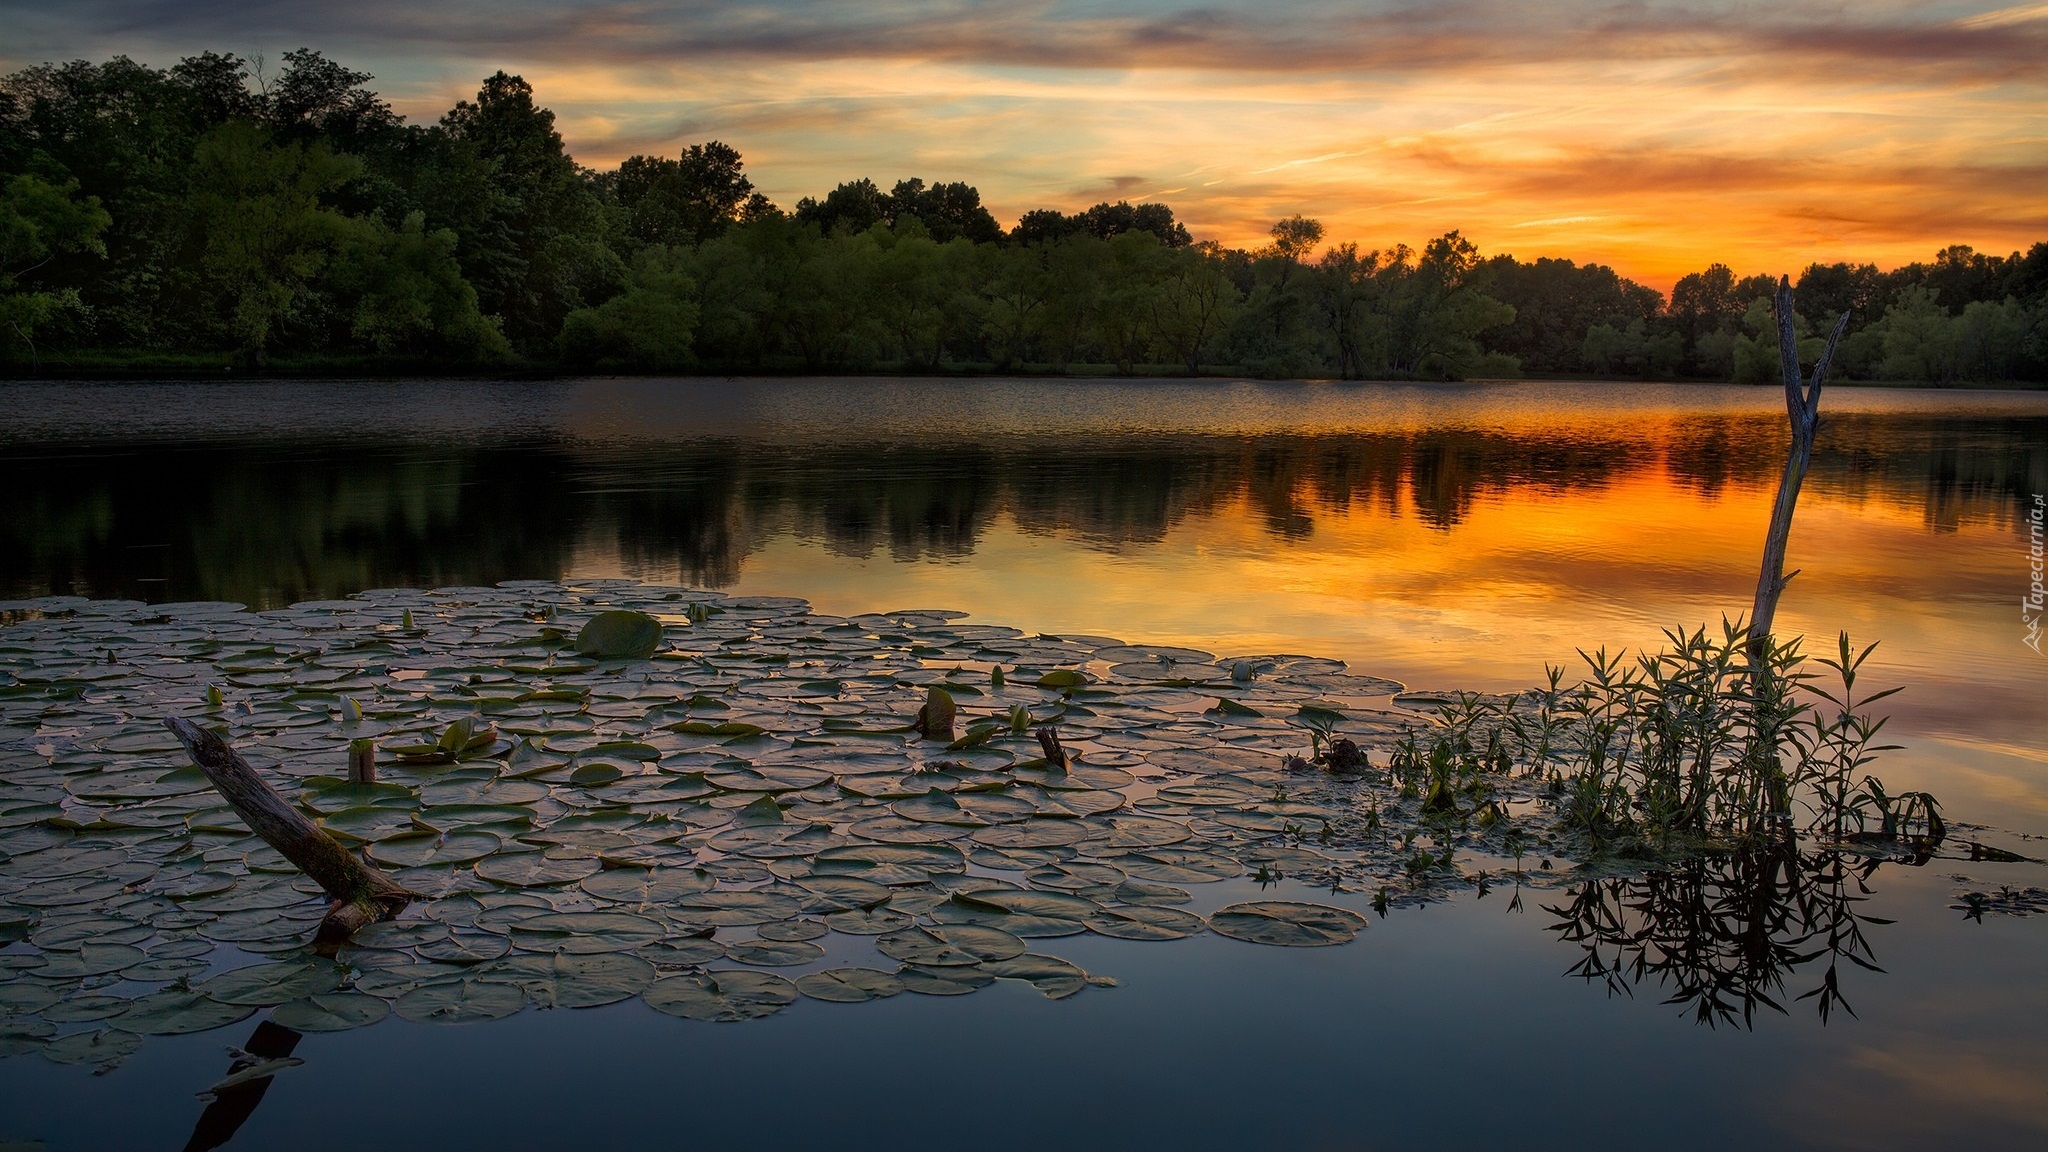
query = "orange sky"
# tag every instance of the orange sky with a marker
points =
(1657, 137)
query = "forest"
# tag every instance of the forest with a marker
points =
(223, 213)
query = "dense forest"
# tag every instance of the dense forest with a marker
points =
(219, 212)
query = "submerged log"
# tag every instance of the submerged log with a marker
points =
(1802, 404)
(360, 893)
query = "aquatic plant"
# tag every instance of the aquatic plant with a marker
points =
(1685, 746)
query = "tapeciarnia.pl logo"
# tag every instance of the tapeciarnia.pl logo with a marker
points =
(2032, 603)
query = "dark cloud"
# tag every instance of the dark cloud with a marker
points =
(1276, 37)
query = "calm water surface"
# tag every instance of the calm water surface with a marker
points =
(1446, 536)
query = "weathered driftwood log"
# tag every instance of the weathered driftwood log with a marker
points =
(361, 894)
(1802, 404)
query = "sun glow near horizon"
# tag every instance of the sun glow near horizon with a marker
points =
(1657, 139)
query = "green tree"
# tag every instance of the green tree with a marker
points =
(403, 293)
(1919, 339)
(260, 230)
(685, 200)
(1196, 303)
(548, 217)
(39, 221)
(651, 325)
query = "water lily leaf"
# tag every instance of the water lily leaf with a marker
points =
(433, 849)
(264, 984)
(774, 953)
(584, 933)
(1049, 974)
(572, 981)
(1288, 924)
(91, 960)
(174, 1012)
(536, 869)
(1063, 678)
(1026, 903)
(619, 635)
(721, 996)
(838, 893)
(793, 930)
(949, 981)
(722, 728)
(105, 1047)
(330, 1012)
(462, 1000)
(735, 908)
(1033, 833)
(868, 921)
(676, 953)
(464, 948)
(949, 945)
(646, 885)
(1144, 922)
(849, 985)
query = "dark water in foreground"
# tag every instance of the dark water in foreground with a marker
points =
(1444, 536)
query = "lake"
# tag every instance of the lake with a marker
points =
(1444, 536)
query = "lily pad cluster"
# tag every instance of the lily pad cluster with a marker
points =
(718, 817)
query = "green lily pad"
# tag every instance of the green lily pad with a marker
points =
(948, 981)
(536, 869)
(619, 635)
(849, 985)
(774, 953)
(949, 945)
(463, 1000)
(330, 1012)
(1049, 974)
(721, 996)
(433, 849)
(585, 933)
(104, 1047)
(572, 981)
(272, 983)
(1287, 924)
(173, 1013)
(1143, 922)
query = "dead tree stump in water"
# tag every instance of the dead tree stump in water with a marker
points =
(360, 893)
(1802, 404)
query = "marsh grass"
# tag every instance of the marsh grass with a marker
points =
(1687, 748)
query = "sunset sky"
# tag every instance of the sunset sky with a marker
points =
(1657, 137)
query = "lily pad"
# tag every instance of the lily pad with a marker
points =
(330, 1012)
(722, 996)
(463, 1000)
(1049, 974)
(1288, 924)
(950, 945)
(849, 985)
(173, 1013)
(619, 635)
(104, 1047)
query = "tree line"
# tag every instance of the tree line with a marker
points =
(219, 207)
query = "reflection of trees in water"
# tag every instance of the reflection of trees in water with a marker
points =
(1726, 933)
(269, 524)
(1958, 470)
